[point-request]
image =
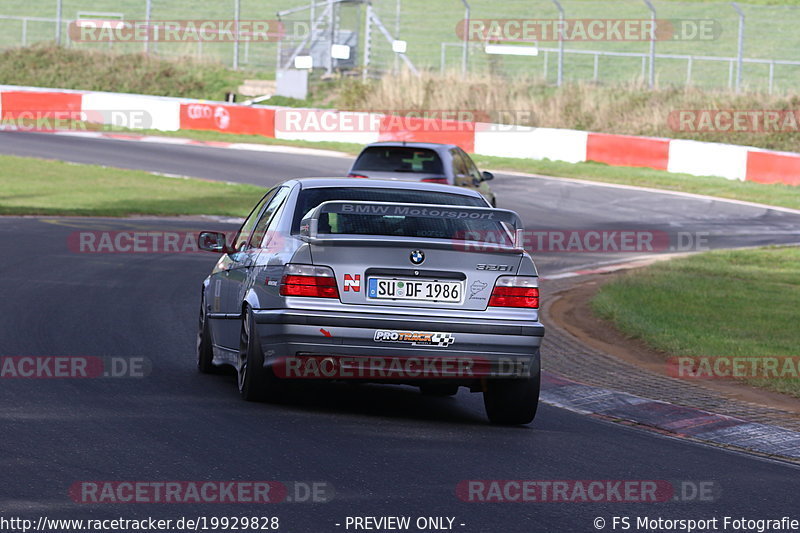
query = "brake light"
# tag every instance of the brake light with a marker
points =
(515, 291)
(308, 280)
(443, 181)
(352, 175)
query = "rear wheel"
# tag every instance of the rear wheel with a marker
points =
(256, 383)
(205, 353)
(512, 401)
(439, 389)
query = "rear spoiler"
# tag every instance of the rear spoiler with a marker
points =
(310, 223)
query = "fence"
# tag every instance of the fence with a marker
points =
(755, 46)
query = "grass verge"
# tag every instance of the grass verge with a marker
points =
(722, 303)
(40, 187)
(778, 195)
(46, 65)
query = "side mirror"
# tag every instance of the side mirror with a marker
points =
(212, 241)
(487, 176)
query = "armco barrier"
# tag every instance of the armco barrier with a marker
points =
(228, 118)
(628, 151)
(170, 114)
(530, 143)
(294, 124)
(132, 111)
(773, 167)
(708, 159)
(42, 104)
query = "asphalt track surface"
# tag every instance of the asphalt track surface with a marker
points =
(387, 450)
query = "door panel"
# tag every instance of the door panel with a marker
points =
(230, 273)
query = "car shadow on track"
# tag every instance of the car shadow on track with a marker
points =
(372, 400)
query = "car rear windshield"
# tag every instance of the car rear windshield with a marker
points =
(399, 159)
(402, 226)
(311, 198)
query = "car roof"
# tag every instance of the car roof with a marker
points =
(309, 183)
(430, 146)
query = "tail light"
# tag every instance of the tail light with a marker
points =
(352, 175)
(515, 291)
(443, 181)
(308, 280)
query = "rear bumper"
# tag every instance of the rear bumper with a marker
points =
(508, 347)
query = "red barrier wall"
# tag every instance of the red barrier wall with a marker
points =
(228, 118)
(43, 104)
(773, 167)
(628, 150)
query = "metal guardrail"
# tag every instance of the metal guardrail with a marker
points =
(645, 57)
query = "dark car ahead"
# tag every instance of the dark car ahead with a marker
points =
(429, 162)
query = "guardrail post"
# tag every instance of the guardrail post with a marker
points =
(367, 42)
(236, 8)
(739, 47)
(560, 77)
(652, 72)
(546, 56)
(148, 8)
(771, 74)
(465, 51)
(58, 21)
(689, 71)
(730, 74)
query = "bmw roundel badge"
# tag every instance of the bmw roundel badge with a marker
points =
(417, 257)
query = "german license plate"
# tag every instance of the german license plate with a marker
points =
(420, 290)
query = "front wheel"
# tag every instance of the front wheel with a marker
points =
(205, 353)
(512, 401)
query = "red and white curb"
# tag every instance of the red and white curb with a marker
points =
(679, 421)
(185, 141)
(607, 268)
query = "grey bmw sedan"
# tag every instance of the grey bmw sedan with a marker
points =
(376, 280)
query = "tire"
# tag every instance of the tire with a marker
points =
(256, 383)
(439, 389)
(205, 352)
(512, 401)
